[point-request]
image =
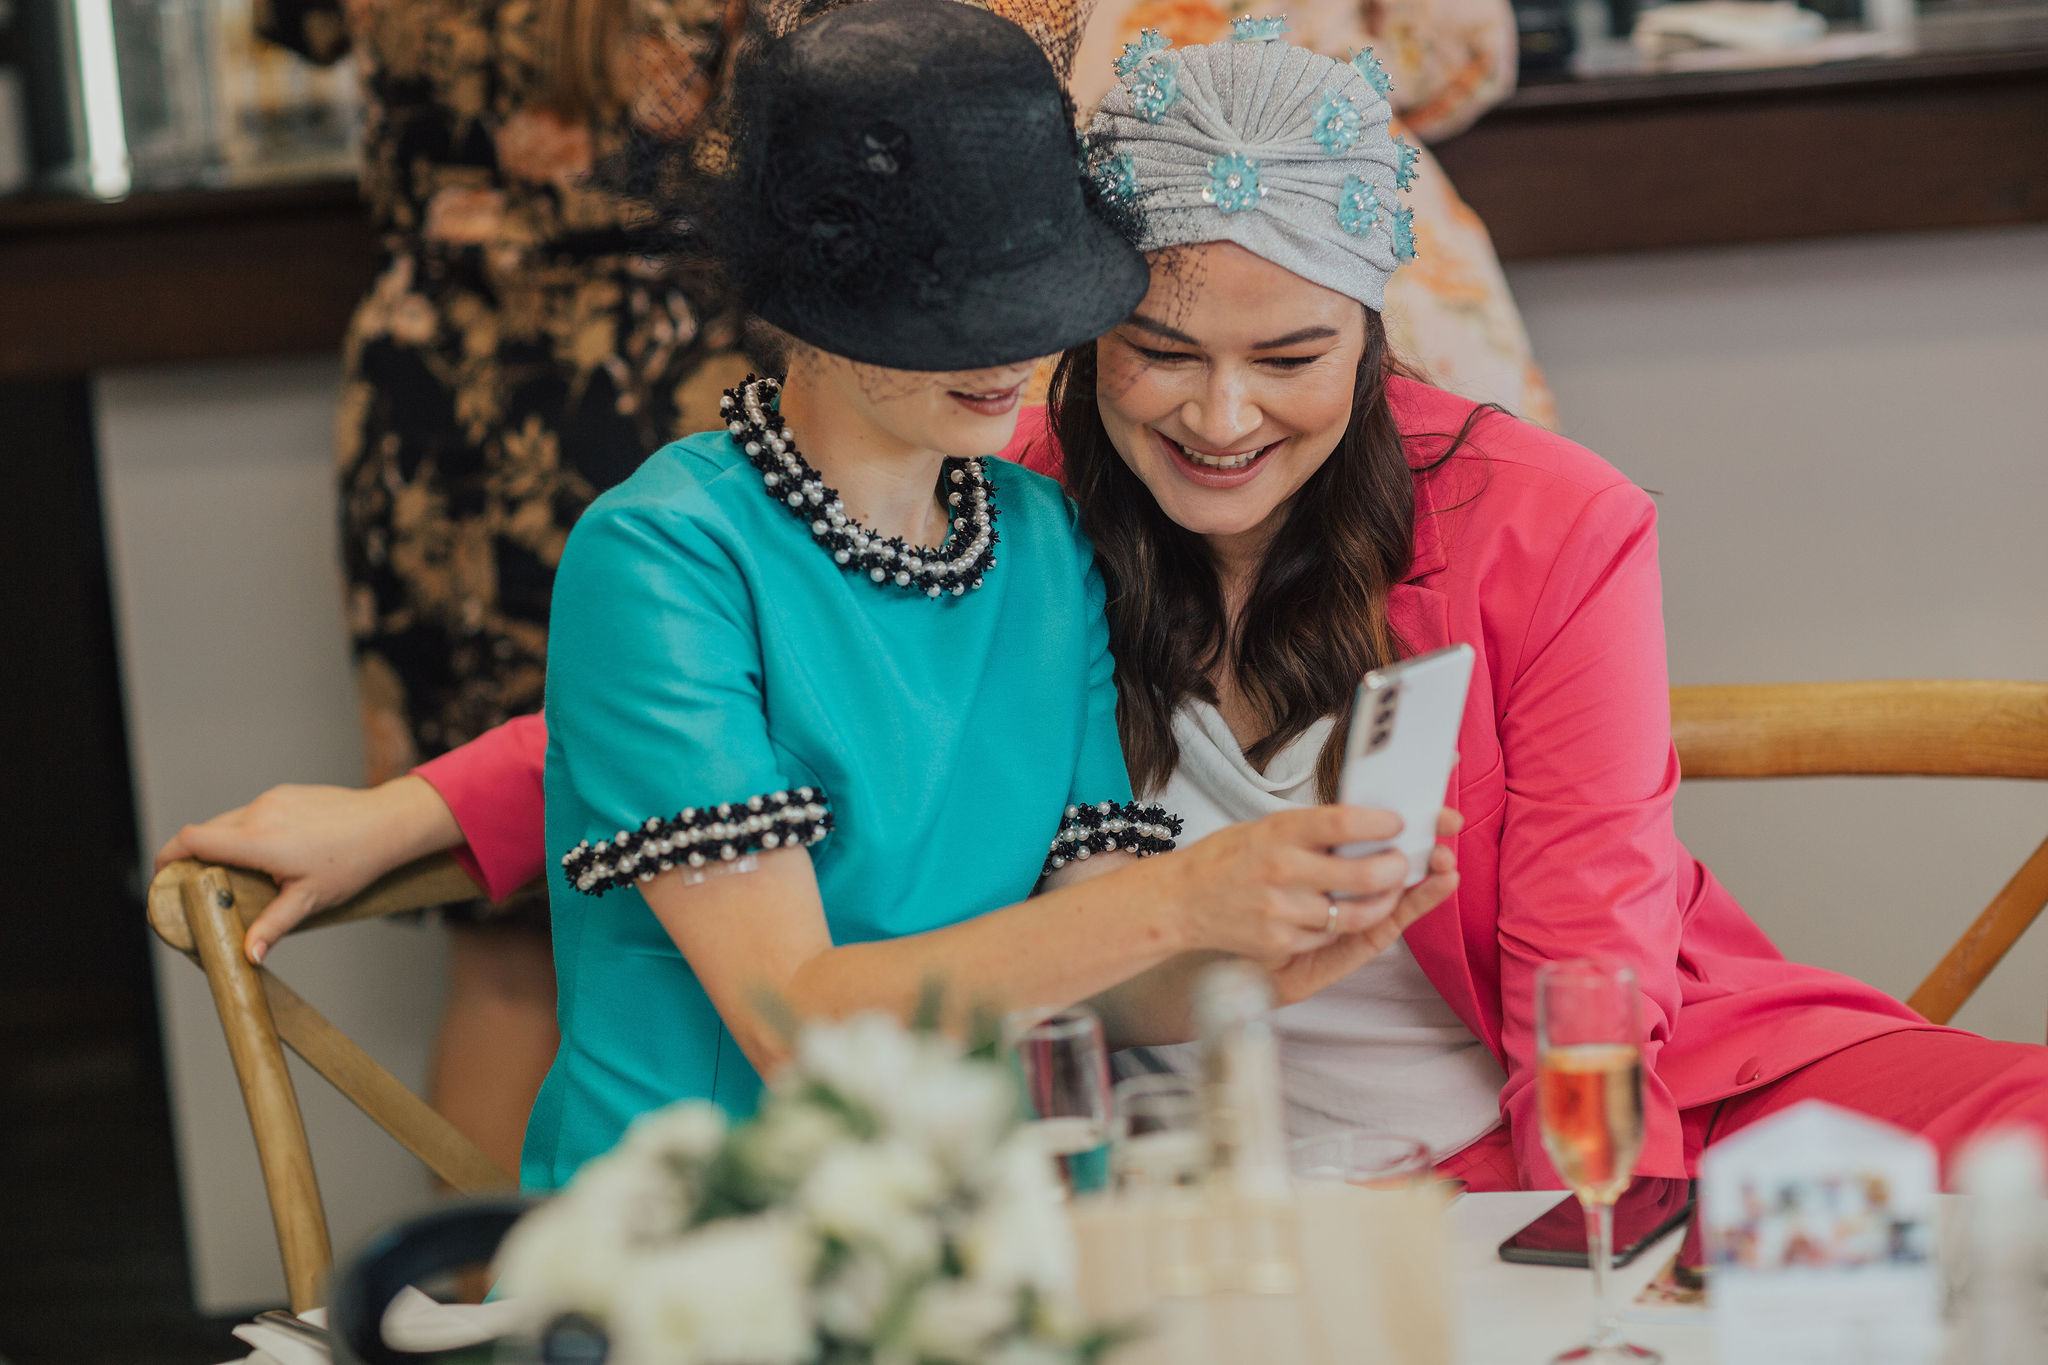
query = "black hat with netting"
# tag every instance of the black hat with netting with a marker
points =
(899, 182)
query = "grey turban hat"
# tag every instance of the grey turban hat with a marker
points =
(1255, 141)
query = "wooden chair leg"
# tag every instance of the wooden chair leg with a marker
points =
(1985, 942)
(295, 1207)
(380, 1095)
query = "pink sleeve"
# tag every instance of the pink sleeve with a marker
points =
(1588, 857)
(493, 785)
(1034, 446)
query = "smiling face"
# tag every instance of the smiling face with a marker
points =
(964, 414)
(1225, 399)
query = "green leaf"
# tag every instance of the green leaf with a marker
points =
(984, 1034)
(930, 1012)
(777, 1014)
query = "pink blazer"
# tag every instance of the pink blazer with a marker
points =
(1543, 558)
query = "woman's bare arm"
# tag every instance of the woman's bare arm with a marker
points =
(321, 844)
(1259, 890)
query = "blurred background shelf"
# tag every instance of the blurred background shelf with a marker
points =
(1659, 162)
(258, 271)
(1563, 168)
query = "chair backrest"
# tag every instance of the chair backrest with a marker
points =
(202, 911)
(1916, 728)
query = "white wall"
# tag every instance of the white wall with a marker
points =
(1851, 443)
(221, 530)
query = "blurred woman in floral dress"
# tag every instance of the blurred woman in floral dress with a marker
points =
(1449, 314)
(521, 351)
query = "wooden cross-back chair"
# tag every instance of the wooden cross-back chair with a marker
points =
(1955, 729)
(202, 910)
(1889, 729)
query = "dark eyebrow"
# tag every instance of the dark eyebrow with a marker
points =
(1160, 329)
(1296, 338)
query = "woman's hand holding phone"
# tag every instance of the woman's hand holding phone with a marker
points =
(1303, 974)
(1264, 889)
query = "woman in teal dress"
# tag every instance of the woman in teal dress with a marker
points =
(837, 768)
(836, 765)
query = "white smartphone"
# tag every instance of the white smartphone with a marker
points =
(1403, 742)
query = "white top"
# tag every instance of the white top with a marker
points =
(1379, 1049)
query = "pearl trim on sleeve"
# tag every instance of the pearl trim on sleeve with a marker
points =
(1109, 827)
(698, 837)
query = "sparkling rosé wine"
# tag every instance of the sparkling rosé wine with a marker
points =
(1590, 1096)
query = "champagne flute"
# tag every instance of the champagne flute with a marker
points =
(1065, 1065)
(1589, 1093)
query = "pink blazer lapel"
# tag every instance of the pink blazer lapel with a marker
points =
(1421, 617)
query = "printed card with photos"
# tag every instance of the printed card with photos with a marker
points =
(1820, 1230)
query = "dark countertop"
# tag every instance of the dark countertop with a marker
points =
(1639, 88)
(1561, 168)
(1658, 162)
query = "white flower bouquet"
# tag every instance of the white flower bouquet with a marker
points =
(884, 1206)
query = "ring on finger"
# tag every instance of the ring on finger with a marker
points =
(1330, 925)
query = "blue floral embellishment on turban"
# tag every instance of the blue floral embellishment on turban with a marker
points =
(1150, 42)
(1154, 89)
(1404, 235)
(1338, 123)
(1404, 164)
(1116, 177)
(1368, 66)
(1233, 184)
(1246, 29)
(1358, 206)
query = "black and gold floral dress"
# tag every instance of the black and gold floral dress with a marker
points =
(519, 352)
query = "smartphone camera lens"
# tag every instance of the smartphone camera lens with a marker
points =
(1384, 704)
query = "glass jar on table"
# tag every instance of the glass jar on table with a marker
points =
(1367, 1157)
(1065, 1067)
(1161, 1141)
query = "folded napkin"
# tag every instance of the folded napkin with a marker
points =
(414, 1322)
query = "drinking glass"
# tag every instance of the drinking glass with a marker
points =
(1362, 1156)
(1589, 1093)
(1162, 1141)
(1065, 1066)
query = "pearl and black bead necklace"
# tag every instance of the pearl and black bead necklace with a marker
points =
(954, 567)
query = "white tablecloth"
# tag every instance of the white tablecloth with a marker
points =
(1506, 1314)
(1525, 1314)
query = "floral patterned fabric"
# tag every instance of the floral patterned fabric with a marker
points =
(516, 355)
(1449, 313)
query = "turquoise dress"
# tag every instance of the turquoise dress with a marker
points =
(719, 682)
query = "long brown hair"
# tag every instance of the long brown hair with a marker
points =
(1316, 619)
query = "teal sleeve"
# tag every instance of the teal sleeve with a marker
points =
(1100, 774)
(1100, 816)
(655, 703)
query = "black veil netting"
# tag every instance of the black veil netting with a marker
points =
(807, 228)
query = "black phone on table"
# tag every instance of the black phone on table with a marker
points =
(1649, 1208)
